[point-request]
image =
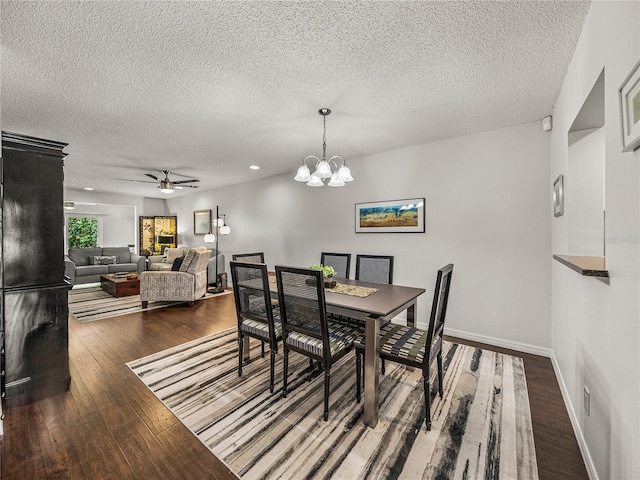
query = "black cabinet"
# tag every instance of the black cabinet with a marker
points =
(34, 293)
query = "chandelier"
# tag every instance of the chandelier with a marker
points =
(338, 175)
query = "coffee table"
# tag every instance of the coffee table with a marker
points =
(118, 285)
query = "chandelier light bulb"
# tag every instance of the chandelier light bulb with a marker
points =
(336, 181)
(344, 174)
(303, 175)
(209, 238)
(315, 181)
(225, 230)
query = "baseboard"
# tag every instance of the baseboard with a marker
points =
(582, 444)
(499, 342)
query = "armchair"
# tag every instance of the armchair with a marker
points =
(185, 285)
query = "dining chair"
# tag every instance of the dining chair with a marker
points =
(341, 263)
(305, 327)
(374, 268)
(256, 316)
(408, 346)
(249, 257)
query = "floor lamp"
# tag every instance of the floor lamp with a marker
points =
(218, 226)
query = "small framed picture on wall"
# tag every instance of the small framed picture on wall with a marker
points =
(201, 222)
(630, 110)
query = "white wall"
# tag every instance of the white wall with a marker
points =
(119, 213)
(595, 323)
(487, 211)
(584, 192)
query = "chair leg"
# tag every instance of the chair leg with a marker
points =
(427, 399)
(383, 365)
(358, 375)
(440, 373)
(145, 303)
(326, 394)
(285, 369)
(191, 303)
(272, 370)
(240, 344)
(262, 348)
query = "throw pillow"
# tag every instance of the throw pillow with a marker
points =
(103, 260)
(176, 264)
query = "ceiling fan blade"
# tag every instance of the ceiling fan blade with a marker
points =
(152, 176)
(180, 187)
(179, 182)
(136, 181)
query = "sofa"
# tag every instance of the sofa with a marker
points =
(165, 262)
(186, 284)
(86, 265)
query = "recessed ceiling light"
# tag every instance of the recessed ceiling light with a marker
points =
(254, 167)
(88, 188)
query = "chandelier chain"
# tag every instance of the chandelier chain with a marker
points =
(324, 138)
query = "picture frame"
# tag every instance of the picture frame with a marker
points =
(201, 222)
(629, 94)
(391, 216)
(558, 196)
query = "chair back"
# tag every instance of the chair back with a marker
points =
(339, 261)
(196, 261)
(302, 305)
(439, 310)
(249, 257)
(252, 295)
(374, 268)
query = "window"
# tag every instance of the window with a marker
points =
(81, 232)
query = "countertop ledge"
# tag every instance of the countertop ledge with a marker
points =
(587, 266)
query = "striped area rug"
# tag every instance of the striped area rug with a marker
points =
(481, 428)
(92, 303)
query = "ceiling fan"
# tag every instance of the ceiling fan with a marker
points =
(166, 184)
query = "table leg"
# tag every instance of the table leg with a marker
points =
(371, 368)
(411, 316)
(246, 348)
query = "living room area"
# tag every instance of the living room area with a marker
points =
(489, 192)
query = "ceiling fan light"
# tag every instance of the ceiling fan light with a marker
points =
(315, 181)
(303, 174)
(344, 174)
(209, 238)
(166, 186)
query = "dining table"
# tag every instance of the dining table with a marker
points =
(377, 308)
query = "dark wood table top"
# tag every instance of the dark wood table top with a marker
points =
(381, 303)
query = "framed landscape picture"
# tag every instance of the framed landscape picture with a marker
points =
(393, 216)
(201, 222)
(630, 110)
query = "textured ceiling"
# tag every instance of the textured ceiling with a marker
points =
(206, 89)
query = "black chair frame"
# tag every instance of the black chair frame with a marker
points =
(433, 344)
(242, 257)
(325, 360)
(324, 255)
(381, 257)
(242, 314)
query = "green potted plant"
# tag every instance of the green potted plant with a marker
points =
(327, 273)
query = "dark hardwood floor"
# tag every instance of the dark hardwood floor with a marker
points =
(109, 426)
